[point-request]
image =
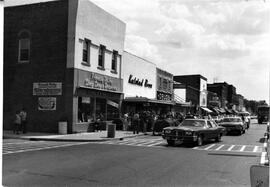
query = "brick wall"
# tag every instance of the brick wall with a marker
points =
(47, 24)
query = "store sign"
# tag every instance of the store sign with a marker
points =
(86, 100)
(47, 103)
(47, 88)
(114, 104)
(102, 82)
(137, 81)
(164, 96)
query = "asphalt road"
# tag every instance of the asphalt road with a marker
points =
(141, 164)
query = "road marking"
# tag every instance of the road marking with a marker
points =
(42, 148)
(255, 149)
(243, 148)
(219, 147)
(263, 158)
(230, 148)
(155, 144)
(209, 147)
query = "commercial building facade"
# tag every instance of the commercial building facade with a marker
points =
(67, 64)
(196, 89)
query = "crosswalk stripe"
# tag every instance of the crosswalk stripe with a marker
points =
(230, 148)
(243, 148)
(209, 147)
(219, 147)
(255, 149)
(155, 144)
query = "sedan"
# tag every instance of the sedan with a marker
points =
(233, 124)
(193, 131)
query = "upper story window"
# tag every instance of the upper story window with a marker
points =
(114, 61)
(86, 52)
(24, 47)
(101, 56)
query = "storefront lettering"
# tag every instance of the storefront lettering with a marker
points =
(100, 82)
(137, 81)
(47, 88)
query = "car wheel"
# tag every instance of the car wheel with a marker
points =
(218, 138)
(171, 142)
(199, 140)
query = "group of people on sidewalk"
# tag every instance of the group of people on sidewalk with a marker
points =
(20, 121)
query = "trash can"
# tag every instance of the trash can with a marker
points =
(111, 130)
(62, 127)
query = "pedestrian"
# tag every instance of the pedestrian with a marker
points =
(23, 115)
(17, 122)
(135, 123)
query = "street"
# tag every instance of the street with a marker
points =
(139, 161)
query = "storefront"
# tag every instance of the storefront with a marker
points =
(98, 97)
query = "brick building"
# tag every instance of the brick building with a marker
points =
(196, 89)
(62, 59)
(221, 89)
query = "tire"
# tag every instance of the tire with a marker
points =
(218, 138)
(171, 142)
(199, 140)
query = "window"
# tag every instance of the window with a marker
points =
(24, 50)
(114, 61)
(101, 54)
(85, 55)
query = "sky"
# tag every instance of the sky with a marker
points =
(223, 40)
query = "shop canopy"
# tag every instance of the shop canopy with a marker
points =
(222, 110)
(147, 100)
(215, 110)
(207, 109)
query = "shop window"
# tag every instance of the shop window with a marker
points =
(24, 47)
(85, 109)
(86, 52)
(101, 57)
(101, 109)
(114, 61)
(112, 110)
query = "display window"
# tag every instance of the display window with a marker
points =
(85, 109)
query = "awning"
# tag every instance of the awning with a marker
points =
(215, 110)
(228, 111)
(147, 100)
(222, 111)
(207, 109)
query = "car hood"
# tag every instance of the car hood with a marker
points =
(184, 128)
(230, 123)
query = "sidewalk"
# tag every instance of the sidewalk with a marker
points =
(80, 137)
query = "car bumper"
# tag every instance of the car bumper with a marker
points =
(180, 138)
(229, 129)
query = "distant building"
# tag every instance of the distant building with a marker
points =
(221, 89)
(62, 61)
(196, 89)
(239, 102)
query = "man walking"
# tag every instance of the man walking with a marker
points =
(23, 115)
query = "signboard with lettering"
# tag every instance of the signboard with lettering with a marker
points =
(112, 103)
(100, 82)
(47, 103)
(47, 88)
(137, 81)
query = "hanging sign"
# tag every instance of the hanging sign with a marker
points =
(114, 104)
(47, 103)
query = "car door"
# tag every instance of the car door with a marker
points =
(215, 129)
(209, 133)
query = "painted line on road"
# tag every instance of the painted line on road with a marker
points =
(263, 157)
(154, 144)
(43, 148)
(255, 149)
(219, 147)
(243, 148)
(17, 143)
(230, 148)
(209, 147)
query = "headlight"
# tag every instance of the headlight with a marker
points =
(188, 133)
(168, 131)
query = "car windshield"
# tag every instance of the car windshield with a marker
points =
(231, 120)
(193, 123)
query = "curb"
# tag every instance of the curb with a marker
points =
(68, 139)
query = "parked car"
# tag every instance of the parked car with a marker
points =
(162, 123)
(217, 119)
(234, 124)
(193, 131)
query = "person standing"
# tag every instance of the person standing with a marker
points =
(17, 122)
(23, 115)
(136, 121)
